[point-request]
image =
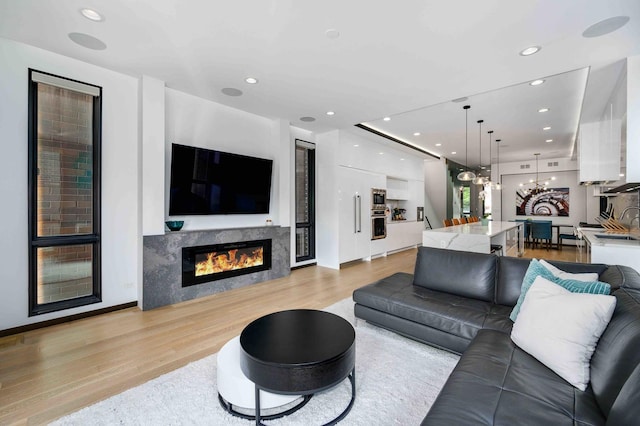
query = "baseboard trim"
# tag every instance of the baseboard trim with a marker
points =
(56, 321)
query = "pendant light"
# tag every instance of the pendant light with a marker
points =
(498, 185)
(466, 175)
(489, 182)
(480, 180)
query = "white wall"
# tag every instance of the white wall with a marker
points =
(152, 152)
(120, 180)
(436, 187)
(194, 121)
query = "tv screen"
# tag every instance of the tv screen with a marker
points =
(205, 182)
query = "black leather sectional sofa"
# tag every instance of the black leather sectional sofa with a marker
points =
(461, 301)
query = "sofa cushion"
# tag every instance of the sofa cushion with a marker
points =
(498, 383)
(561, 329)
(464, 274)
(453, 320)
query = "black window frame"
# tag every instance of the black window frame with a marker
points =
(311, 224)
(35, 241)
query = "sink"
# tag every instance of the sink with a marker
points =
(616, 237)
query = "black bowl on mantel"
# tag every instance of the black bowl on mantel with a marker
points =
(175, 225)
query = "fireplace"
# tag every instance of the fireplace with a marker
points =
(214, 262)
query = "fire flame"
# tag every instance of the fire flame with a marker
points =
(227, 261)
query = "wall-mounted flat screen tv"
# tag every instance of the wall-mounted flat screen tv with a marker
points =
(207, 182)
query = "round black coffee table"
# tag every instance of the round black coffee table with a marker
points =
(298, 352)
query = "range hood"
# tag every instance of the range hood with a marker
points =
(627, 187)
(599, 152)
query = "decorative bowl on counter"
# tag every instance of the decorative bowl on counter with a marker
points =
(174, 225)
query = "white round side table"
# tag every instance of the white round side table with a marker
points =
(235, 391)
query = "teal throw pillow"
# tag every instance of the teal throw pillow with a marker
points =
(538, 269)
(535, 269)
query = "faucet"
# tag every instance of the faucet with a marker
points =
(636, 217)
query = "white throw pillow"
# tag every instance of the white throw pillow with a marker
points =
(561, 329)
(559, 273)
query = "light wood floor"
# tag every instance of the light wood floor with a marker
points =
(50, 372)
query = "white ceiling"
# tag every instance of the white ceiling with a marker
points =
(391, 58)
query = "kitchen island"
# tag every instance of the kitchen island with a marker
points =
(478, 237)
(611, 248)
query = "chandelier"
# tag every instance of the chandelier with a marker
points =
(537, 186)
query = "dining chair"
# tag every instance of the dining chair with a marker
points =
(463, 220)
(447, 222)
(541, 231)
(455, 221)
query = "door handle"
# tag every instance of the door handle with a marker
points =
(359, 213)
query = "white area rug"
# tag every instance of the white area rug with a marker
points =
(397, 380)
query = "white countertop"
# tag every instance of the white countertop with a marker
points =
(492, 228)
(590, 235)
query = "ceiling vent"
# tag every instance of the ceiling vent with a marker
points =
(552, 164)
(525, 166)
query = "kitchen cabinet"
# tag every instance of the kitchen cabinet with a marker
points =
(354, 204)
(403, 234)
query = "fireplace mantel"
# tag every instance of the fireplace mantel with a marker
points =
(162, 262)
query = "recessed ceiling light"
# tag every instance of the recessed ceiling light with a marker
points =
(553, 178)
(546, 128)
(530, 50)
(251, 80)
(416, 134)
(387, 119)
(330, 113)
(605, 27)
(307, 119)
(530, 180)
(453, 153)
(549, 140)
(356, 145)
(402, 159)
(92, 15)
(332, 33)
(231, 91)
(543, 110)
(85, 40)
(521, 184)
(381, 153)
(536, 82)
(438, 144)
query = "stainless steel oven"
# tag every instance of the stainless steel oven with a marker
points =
(378, 224)
(378, 199)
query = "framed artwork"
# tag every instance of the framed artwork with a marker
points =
(542, 201)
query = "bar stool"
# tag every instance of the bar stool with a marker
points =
(497, 249)
(447, 222)
(455, 221)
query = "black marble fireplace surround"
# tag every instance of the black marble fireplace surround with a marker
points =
(162, 262)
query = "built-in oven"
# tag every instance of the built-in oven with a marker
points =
(378, 199)
(378, 224)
